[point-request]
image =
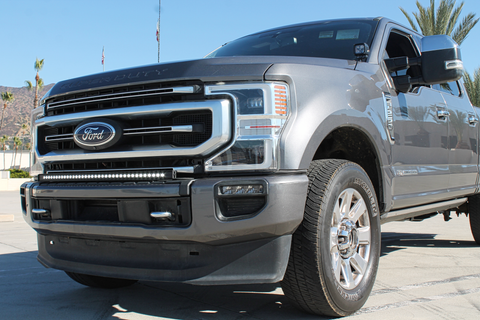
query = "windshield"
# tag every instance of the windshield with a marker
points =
(325, 39)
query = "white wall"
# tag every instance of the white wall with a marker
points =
(9, 155)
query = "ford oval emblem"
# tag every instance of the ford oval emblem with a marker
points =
(94, 135)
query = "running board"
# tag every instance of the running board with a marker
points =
(418, 211)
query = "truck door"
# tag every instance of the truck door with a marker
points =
(419, 162)
(462, 139)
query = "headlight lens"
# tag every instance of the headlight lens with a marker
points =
(261, 113)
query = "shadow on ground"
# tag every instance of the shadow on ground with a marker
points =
(30, 291)
(393, 241)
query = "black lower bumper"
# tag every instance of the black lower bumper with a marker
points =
(259, 261)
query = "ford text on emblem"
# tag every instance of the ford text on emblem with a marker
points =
(94, 135)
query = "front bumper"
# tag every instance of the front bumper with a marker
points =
(248, 249)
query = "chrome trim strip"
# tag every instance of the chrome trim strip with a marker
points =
(122, 95)
(418, 211)
(59, 137)
(168, 129)
(221, 131)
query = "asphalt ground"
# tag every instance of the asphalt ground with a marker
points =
(428, 270)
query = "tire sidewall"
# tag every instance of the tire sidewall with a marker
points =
(349, 176)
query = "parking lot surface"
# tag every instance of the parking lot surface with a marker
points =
(428, 270)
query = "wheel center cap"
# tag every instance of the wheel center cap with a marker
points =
(347, 238)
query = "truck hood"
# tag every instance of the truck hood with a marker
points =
(225, 69)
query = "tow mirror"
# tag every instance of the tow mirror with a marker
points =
(441, 60)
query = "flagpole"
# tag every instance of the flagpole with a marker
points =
(158, 28)
(103, 58)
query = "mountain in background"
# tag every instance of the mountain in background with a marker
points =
(18, 111)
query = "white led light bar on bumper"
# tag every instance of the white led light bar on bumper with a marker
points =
(262, 110)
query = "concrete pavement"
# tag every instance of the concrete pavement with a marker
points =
(428, 270)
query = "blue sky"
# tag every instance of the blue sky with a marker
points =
(70, 34)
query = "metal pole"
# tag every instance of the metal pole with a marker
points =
(159, 9)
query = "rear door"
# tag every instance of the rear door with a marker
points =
(462, 139)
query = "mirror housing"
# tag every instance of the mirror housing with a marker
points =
(441, 60)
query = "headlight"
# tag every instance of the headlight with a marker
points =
(261, 113)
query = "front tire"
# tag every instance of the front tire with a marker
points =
(100, 282)
(474, 216)
(336, 249)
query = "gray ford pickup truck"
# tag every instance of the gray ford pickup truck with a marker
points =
(275, 158)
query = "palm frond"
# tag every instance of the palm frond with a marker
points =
(472, 86)
(29, 85)
(461, 31)
(40, 84)
(409, 18)
(38, 64)
(7, 96)
(442, 18)
(423, 19)
(454, 19)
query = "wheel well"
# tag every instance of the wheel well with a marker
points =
(353, 145)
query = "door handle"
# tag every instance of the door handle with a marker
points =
(442, 114)
(472, 120)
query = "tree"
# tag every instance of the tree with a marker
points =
(24, 130)
(16, 143)
(472, 85)
(6, 97)
(38, 81)
(3, 141)
(443, 20)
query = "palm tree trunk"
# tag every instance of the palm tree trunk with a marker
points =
(3, 114)
(20, 164)
(35, 101)
(12, 164)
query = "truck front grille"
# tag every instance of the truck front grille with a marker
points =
(148, 131)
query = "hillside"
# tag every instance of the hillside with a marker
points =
(18, 111)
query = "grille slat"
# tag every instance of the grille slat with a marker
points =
(127, 97)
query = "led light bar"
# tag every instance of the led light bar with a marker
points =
(153, 175)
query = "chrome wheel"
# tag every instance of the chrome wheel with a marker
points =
(350, 239)
(335, 250)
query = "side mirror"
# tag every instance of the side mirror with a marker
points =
(441, 60)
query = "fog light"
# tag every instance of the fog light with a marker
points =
(245, 189)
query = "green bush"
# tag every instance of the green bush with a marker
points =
(16, 173)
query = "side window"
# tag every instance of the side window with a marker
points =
(399, 45)
(450, 87)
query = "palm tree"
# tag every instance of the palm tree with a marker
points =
(472, 85)
(22, 132)
(38, 81)
(6, 97)
(3, 141)
(443, 20)
(16, 143)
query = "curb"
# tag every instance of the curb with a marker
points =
(6, 218)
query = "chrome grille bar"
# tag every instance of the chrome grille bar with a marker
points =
(150, 130)
(122, 95)
(128, 132)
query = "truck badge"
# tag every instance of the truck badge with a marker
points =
(94, 135)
